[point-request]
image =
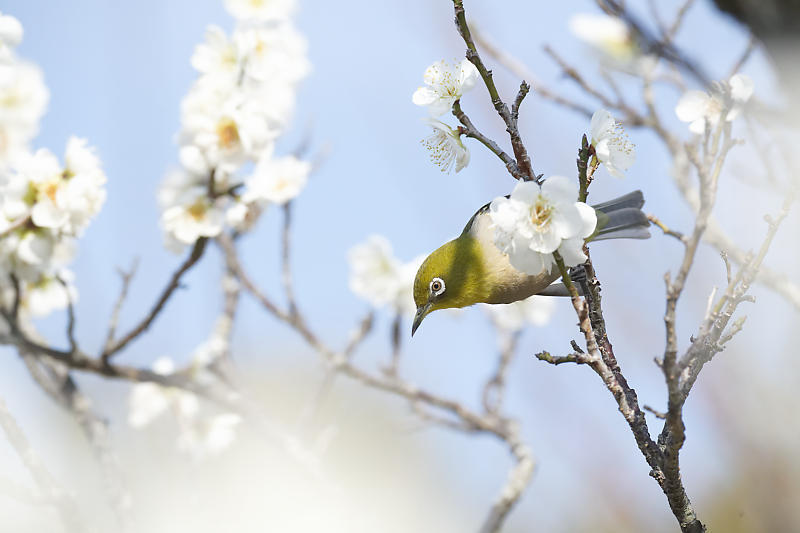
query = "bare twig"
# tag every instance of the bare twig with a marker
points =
(561, 359)
(470, 130)
(667, 231)
(174, 282)
(494, 389)
(520, 152)
(113, 322)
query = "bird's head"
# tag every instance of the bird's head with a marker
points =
(451, 276)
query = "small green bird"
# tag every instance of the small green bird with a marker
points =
(470, 269)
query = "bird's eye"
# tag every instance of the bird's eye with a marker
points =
(437, 286)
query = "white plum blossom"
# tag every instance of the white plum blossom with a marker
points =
(377, 276)
(276, 180)
(278, 53)
(44, 204)
(188, 222)
(218, 55)
(604, 32)
(447, 150)
(610, 37)
(63, 198)
(227, 124)
(50, 294)
(539, 220)
(702, 109)
(231, 117)
(10, 35)
(535, 310)
(23, 100)
(260, 10)
(444, 84)
(611, 144)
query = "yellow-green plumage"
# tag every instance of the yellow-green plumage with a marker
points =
(473, 270)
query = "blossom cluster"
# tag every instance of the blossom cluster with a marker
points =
(45, 203)
(380, 278)
(239, 105)
(444, 85)
(537, 220)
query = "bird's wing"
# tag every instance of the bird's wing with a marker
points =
(483, 210)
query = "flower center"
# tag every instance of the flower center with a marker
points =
(44, 189)
(541, 212)
(228, 133)
(197, 210)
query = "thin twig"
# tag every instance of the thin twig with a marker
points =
(113, 322)
(174, 282)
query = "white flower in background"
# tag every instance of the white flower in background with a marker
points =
(36, 248)
(84, 192)
(225, 124)
(611, 39)
(404, 298)
(537, 221)
(56, 197)
(445, 83)
(49, 294)
(276, 180)
(380, 278)
(34, 254)
(742, 87)
(446, 147)
(148, 401)
(275, 53)
(209, 436)
(702, 109)
(374, 270)
(188, 222)
(260, 10)
(535, 310)
(23, 100)
(10, 35)
(217, 56)
(240, 103)
(605, 33)
(200, 434)
(611, 143)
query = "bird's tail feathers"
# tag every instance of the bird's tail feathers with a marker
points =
(622, 218)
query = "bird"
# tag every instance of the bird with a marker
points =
(470, 269)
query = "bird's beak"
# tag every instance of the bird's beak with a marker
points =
(422, 310)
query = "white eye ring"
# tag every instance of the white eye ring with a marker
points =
(437, 286)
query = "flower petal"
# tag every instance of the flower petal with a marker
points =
(526, 260)
(559, 189)
(741, 87)
(692, 106)
(602, 123)
(571, 251)
(588, 217)
(526, 192)
(424, 96)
